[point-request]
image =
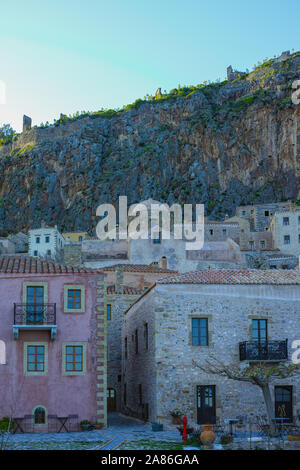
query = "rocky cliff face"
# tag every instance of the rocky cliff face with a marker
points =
(223, 144)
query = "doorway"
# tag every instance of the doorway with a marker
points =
(111, 400)
(284, 403)
(206, 404)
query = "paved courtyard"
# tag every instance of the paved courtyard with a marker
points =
(125, 433)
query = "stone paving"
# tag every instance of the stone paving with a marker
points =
(124, 433)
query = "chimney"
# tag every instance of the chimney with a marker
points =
(163, 263)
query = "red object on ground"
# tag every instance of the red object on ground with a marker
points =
(184, 422)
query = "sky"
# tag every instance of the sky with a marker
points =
(64, 56)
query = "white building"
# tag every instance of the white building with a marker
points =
(46, 242)
(285, 226)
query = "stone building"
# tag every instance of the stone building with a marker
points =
(46, 242)
(75, 236)
(54, 330)
(215, 231)
(124, 285)
(241, 316)
(260, 215)
(285, 227)
(256, 241)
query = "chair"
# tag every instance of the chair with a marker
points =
(28, 423)
(219, 427)
(73, 425)
(52, 423)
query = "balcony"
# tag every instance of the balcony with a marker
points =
(263, 351)
(34, 317)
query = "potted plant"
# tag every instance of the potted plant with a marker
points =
(85, 425)
(157, 427)
(293, 436)
(208, 436)
(189, 431)
(226, 439)
(176, 416)
(6, 424)
(98, 426)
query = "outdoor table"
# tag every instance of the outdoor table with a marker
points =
(17, 422)
(63, 420)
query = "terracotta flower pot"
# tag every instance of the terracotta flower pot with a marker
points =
(293, 437)
(208, 436)
(176, 419)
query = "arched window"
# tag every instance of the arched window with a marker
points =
(39, 415)
(2, 352)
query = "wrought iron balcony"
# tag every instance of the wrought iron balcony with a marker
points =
(263, 351)
(34, 316)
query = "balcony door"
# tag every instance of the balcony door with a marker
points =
(35, 305)
(284, 403)
(206, 404)
(260, 336)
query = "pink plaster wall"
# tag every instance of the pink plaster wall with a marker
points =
(61, 395)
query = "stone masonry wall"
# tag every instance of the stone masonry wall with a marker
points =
(168, 374)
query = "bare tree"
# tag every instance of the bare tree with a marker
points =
(260, 374)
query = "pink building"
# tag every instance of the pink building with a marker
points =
(53, 329)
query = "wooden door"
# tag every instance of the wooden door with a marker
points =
(206, 404)
(111, 400)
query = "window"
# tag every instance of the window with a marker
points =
(299, 238)
(39, 415)
(47, 239)
(35, 253)
(266, 213)
(259, 330)
(80, 238)
(284, 266)
(199, 331)
(299, 219)
(157, 240)
(74, 358)
(211, 232)
(273, 266)
(287, 240)
(35, 358)
(108, 311)
(251, 211)
(74, 298)
(262, 244)
(146, 335)
(37, 239)
(244, 212)
(286, 221)
(224, 231)
(136, 342)
(126, 348)
(2, 352)
(49, 252)
(251, 245)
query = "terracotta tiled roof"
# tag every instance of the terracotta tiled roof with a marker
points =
(129, 290)
(137, 268)
(27, 264)
(247, 276)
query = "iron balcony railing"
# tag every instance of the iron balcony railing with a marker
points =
(34, 314)
(263, 350)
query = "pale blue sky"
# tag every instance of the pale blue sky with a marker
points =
(70, 55)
